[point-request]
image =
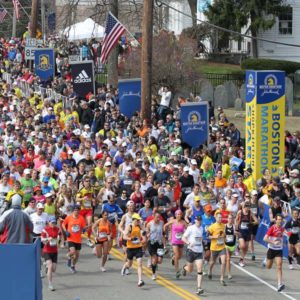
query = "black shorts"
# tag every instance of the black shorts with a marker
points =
(134, 252)
(77, 246)
(253, 229)
(124, 242)
(191, 256)
(294, 239)
(50, 256)
(100, 243)
(206, 245)
(245, 235)
(271, 254)
(153, 247)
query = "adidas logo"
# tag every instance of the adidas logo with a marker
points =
(82, 77)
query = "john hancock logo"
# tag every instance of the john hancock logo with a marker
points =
(194, 122)
(44, 62)
(250, 85)
(270, 85)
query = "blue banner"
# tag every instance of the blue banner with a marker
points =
(194, 123)
(20, 271)
(263, 228)
(44, 63)
(129, 96)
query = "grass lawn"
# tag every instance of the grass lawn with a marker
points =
(203, 66)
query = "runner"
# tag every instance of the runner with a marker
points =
(274, 238)
(217, 236)
(243, 223)
(50, 236)
(194, 211)
(102, 230)
(193, 237)
(178, 226)
(74, 225)
(155, 230)
(230, 241)
(292, 227)
(85, 197)
(135, 237)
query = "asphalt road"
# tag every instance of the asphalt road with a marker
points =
(89, 283)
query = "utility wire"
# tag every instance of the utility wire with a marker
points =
(160, 3)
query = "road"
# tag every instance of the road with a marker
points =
(251, 282)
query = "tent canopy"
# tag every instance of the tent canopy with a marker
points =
(84, 30)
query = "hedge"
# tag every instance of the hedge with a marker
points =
(270, 64)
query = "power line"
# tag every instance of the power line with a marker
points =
(160, 3)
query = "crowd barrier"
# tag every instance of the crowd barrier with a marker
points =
(20, 271)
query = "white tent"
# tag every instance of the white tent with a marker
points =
(84, 30)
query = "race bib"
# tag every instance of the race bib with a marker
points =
(53, 242)
(198, 240)
(75, 228)
(87, 204)
(295, 230)
(229, 238)
(102, 235)
(28, 190)
(279, 245)
(244, 225)
(136, 241)
(128, 182)
(254, 210)
(220, 241)
(178, 236)
(188, 190)
(160, 252)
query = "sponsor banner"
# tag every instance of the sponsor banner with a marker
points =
(194, 123)
(74, 58)
(129, 96)
(83, 77)
(265, 121)
(44, 63)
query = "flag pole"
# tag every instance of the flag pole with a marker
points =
(124, 27)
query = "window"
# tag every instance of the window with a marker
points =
(285, 19)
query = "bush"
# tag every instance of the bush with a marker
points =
(270, 64)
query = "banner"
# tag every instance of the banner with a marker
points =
(44, 63)
(194, 123)
(20, 271)
(129, 96)
(83, 77)
(265, 121)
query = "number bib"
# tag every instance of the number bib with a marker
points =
(295, 230)
(75, 228)
(220, 241)
(229, 238)
(244, 225)
(198, 240)
(53, 242)
(160, 252)
(87, 204)
(178, 236)
(102, 235)
(135, 241)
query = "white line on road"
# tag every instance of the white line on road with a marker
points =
(262, 281)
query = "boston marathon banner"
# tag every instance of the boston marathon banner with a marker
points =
(44, 63)
(194, 123)
(265, 121)
(83, 77)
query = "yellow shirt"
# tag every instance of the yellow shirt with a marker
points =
(226, 171)
(89, 195)
(99, 173)
(219, 243)
(208, 160)
(249, 183)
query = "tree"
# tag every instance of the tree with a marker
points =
(235, 14)
(193, 8)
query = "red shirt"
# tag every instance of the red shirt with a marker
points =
(275, 233)
(53, 232)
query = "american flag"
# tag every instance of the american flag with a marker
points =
(113, 31)
(3, 13)
(17, 5)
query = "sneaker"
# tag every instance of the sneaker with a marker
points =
(103, 269)
(173, 261)
(123, 271)
(141, 283)
(109, 257)
(199, 291)
(209, 276)
(69, 263)
(178, 274)
(253, 257)
(50, 287)
(183, 272)
(281, 287)
(291, 267)
(89, 243)
(153, 277)
(229, 277)
(149, 263)
(298, 259)
(263, 263)
(241, 263)
(236, 252)
(223, 283)
(127, 272)
(73, 270)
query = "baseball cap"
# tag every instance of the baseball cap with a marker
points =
(107, 164)
(48, 195)
(136, 217)
(27, 171)
(198, 217)
(197, 198)
(295, 171)
(254, 192)
(286, 180)
(186, 169)
(52, 220)
(76, 207)
(177, 141)
(163, 165)
(129, 203)
(70, 151)
(207, 208)
(193, 162)
(40, 205)
(16, 199)
(37, 188)
(46, 179)
(235, 195)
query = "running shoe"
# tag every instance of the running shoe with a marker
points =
(50, 287)
(291, 267)
(149, 263)
(229, 277)
(183, 272)
(103, 269)
(123, 271)
(141, 283)
(263, 263)
(89, 243)
(281, 287)
(69, 263)
(72, 269)
(209, 276)
(153, 277)
(199, 291)
(241, 263)
(127, 272)
(223, 283)
(178, 274)
(253, 257)
(298, 259)
(173, 261)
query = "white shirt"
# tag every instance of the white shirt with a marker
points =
(77, 156)
(194, 236)
(39, 222)
(189, 200)
(195, 173)
(165, 97)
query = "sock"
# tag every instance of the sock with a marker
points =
(290, 259)
(153, 267)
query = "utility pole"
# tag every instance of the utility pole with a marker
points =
(43, 20)
(14, 25)
(146, 59)
(112, 63)
(34, 15)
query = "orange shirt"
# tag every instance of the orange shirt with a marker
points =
(220, 183)
(104, 230)
(74, 226)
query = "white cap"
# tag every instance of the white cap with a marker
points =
(16, 199)
(40, 205)
(87, 126)
(48, 195)
(85, 135)
(130, 202)
(27, 171)
(177, 141)
(162, 127)
(77, 131)
(50, 108)
(107, 164)
(128, 169)
(295, 171)
(124, 144)
(163, 165)
(173, 153)
(186, 169)
(235, 195)
(286, 180)
(193, 162)
(70, 151)
(33, 133)
(254, 192)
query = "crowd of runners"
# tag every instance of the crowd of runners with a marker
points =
(84, 171)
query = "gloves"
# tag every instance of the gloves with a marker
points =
(68, 234)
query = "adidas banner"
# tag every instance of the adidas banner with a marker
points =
(83, 77)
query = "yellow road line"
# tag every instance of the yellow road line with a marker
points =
(161, 280)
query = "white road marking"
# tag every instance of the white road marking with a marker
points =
(262, 281)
